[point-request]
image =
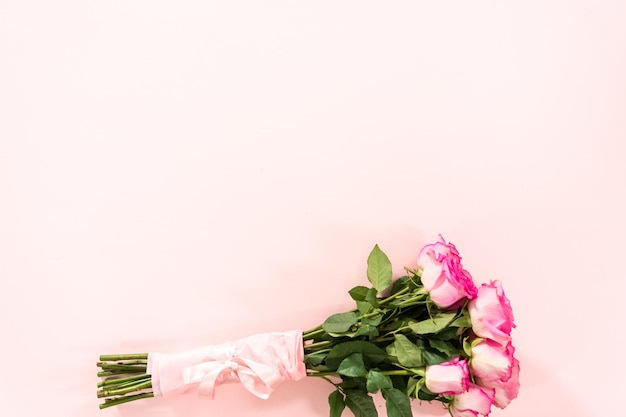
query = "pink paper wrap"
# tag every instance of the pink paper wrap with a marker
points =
(260, 362)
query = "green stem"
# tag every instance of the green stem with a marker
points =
(118, 372)
(136, 386)
(411, 302)
(129, 368)
(118, 381)
(323, 343)
(146, 378)
(310, 334)
(315, 329)
(138, 362)
(393, 296)
(397, 372)
(125, 399)
(121, 363)
(368, 315)
(385, 338)
(323, 374)
(123, 357)
(331, 381)
(317, 351)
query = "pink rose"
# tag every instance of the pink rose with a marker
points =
(443, 275)
(450, 377)
(491, 313)
(476, 400)
(506, 391)
(492, 361)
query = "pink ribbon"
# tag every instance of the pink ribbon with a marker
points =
(260, 362)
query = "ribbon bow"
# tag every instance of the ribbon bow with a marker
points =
(260, 362)
(258, 378)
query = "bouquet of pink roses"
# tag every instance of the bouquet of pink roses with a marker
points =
(433, 335)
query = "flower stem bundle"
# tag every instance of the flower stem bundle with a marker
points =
(125, 378)
(430, 335)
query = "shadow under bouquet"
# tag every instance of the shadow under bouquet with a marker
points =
(430, 335)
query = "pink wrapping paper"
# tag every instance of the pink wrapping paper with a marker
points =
(260, 362)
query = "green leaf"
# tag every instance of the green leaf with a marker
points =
(446, 348)
(361, 404)
(338, 323)
(433, 325)
(366, 330)
(414, 386)
(337, 404)
(397, 403)
(343, 334)
(374, 320)
(391, 350)
(462, 321)
(449, 333)
(363, 306)
(354, 384)
(398, 323)
(316, 358)
(467, 347)
(370, 297)
(400, 284)
(377, 381)
(410, 387)
(371, 353)
(407, 352)
(434, 357)
(399, 382)
(353, 366)
(425, 394)
(359, 293)
(379, 269)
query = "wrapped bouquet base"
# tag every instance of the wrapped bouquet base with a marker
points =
(429, 335)
(260, 362)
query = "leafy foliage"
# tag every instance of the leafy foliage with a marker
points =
(379, 269)
(397, 403)
(361, 404)
(340, 323)
(337, 403)
(385, 343)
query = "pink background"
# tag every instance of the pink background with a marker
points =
(181, 173)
